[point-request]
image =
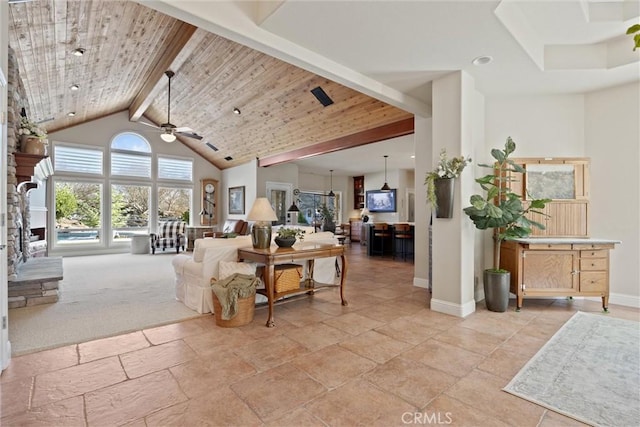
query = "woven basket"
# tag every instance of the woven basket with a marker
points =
(244, 315)
(287, 277)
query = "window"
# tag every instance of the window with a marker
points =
(130, 156)
(103, 208)
(129, 210)
(77, 160)
(175, 169)
(78, 212)
(311, 206)
(173, 203)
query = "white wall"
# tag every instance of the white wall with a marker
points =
(612, 120)
(603, 126)
(242, 175)
(541, 126)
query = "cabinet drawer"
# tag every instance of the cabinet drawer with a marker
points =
(549, 247)
(582, 246)
(593, 264)
(594, 254)
(593, 281)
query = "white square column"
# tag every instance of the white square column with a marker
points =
(457, 126)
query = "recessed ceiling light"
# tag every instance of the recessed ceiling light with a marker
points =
(413, 156)
(482, 60)
(236, 111)
(74, 87)
(79, 51)
(71, 113)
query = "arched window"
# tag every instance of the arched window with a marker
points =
(130, 156)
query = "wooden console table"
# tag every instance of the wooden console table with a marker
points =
(558, 267)
(298, 252)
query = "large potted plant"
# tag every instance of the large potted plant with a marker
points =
(440, 183)
(502, 210)
(328, 222)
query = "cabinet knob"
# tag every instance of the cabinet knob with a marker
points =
(593, 265)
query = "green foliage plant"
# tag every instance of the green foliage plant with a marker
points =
(327, 214)
(287, 232)
(447, 168)
(66, 202)
(635, 30)
(500, 208)
(302, 219)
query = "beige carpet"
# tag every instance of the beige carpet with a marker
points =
(100, 296)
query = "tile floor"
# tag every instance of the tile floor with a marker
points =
(384, 360)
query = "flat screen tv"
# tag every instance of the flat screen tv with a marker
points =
(381, 201)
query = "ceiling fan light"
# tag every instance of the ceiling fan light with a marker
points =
(168, 137)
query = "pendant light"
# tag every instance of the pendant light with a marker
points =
(331, 193)
(385, 187)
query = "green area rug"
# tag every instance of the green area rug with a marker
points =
(589, 370)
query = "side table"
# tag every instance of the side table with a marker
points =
(140, 243)
(195, 232)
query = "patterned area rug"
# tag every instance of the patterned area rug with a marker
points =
(589, 370)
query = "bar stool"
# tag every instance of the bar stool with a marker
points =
(380, 237)
(402, 237)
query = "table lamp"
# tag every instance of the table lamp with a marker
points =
(364, 214)
(262, 213)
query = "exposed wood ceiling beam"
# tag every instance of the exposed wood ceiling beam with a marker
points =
(166, 61)
(392, 130)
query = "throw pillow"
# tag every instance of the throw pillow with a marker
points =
(227, 268)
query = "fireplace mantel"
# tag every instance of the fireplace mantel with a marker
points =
(26, 165)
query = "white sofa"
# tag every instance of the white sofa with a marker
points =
(194, 271)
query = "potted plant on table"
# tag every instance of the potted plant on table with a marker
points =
(440, 183)
(286, 237)
(503, 211)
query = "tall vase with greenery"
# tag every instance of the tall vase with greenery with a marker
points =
(440, 182)
(502, 210)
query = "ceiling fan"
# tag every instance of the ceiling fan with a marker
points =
(169, 130)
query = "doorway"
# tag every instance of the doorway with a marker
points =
(279, 195)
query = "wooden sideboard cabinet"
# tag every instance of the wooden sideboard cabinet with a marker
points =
(356, 229)
(558, 267)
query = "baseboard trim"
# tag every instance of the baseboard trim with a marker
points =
(458, 310)
(620, 299)
(420, 283)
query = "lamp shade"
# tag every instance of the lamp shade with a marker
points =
(168, 137)
(262, 211)
(293, 208)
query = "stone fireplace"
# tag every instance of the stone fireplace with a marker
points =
(27, 285)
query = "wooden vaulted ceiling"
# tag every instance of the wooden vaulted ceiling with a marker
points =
(128, 47)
